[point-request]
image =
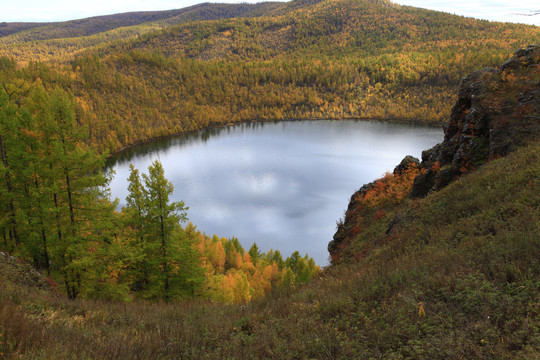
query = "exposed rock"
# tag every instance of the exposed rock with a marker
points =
(343, 230)
(423, 183)
(498, 110)
(405, 163)
(343, 226)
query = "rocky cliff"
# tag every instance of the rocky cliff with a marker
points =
(497, 111)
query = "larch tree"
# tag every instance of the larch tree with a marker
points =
(79, 192)
(136, 213)
(163, 217)
(164, 264)
(55, 208)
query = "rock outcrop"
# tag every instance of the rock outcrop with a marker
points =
(497, 111)
(345, 229)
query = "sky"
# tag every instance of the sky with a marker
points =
(61, 10)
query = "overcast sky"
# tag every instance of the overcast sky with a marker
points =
(60, 10)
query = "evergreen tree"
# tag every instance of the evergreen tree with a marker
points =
(255, 253)
(162, 216)
(188, 274)
(80, 192)
(8, 221)
(136, 212)
(54, 201)
(164, 263)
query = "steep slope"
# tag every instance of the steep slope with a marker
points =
(497, 112)
(459, 277)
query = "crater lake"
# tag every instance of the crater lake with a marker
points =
(282, 185)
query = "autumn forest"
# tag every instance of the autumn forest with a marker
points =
(74, 93)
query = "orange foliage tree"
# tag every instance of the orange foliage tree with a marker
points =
(233, 276)
(391, 188)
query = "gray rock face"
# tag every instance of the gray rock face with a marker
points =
(497, 111)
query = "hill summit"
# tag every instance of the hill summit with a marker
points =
(142, 76)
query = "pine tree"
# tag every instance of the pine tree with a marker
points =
(164, 263)
(136, 212)
(79, 192)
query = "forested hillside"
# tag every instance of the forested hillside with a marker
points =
(436, 260)
(60, 41)
(56, 213)
(450, 273)
(324, 59)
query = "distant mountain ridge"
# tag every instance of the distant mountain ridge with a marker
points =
(8, 28)
(97, 24)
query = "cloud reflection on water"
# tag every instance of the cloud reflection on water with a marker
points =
(282, 185)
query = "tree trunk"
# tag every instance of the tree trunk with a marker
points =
(10, 191)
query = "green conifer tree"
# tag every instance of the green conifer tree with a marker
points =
(164, 264)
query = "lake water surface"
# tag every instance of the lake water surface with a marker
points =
(283, 185)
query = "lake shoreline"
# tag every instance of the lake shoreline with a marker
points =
(222, 126)
(280, 184)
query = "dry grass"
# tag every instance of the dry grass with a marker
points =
(467, 256)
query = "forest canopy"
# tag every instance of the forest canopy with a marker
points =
(219, 64)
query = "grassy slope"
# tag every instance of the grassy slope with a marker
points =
(469, 255)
